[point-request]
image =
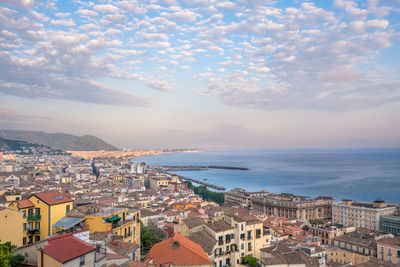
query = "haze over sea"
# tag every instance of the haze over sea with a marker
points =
(358, 174)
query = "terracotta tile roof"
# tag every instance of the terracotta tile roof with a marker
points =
(24, 203)
(53, 197)
(67, 247)
(178, 250)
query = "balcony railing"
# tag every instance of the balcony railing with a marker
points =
(128, 235)
(34, 217)
(33, 231)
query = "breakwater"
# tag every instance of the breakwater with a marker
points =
(196, 168)
(199, 182)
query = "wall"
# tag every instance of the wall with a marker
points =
(11, 227)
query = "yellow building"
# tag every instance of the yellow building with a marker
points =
(120, 221)
(39, 212)
(11, 230)
(341, 256)
(66, 179)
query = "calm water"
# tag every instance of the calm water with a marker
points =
(358, 174)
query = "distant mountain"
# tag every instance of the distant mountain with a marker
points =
(59, 140)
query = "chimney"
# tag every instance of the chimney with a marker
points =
(175, 244)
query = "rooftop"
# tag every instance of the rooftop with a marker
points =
(67, 247)
(53, 197)
(178, 250)
(219, 226)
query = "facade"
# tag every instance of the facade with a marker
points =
(361, 214)
(327, 233)
(39, 212)
(188, 226)
(388, 249)
(159, 183)
(290, 206)
(336, 255)
(242, 198)
(11, 222)
(116, 220)
(390, 224)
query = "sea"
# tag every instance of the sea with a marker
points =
(357, 174)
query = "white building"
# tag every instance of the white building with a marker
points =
(361, 214)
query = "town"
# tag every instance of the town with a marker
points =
(102, 209)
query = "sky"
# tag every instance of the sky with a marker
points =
(210, 74)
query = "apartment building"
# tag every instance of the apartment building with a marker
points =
(39, 212)
(335, 256)
(326, 233)
(242, 198)
(361, 214)
(388, 249)
(230, 237)
(291, 206)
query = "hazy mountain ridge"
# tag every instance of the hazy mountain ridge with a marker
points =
(59, 141)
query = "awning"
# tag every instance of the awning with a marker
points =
(68, 222)
(112, 219)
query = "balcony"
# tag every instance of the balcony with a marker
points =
(34, 217)
(128, 235)
(33, 231)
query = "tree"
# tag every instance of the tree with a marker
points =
(250, 261)
(150, 236)
(7, 256)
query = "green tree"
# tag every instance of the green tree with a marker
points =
(250, 261)
(7, 256)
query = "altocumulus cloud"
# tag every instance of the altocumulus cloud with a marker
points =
(256, 54)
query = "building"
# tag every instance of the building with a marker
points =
(362, 241)
(291, 206)
(361, 214)
(188, 226)
(39, 212)
(66, 250)
(178, 251)
(336, 255)
(388, 249)
(390, 224)
(138, 167)
(11, 230)
(230, 237)
(326, 233)
(285, 255)
(124, 222)
(242, 198)
(159, 183)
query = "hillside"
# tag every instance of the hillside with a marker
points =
(59, 140)
(6, 144)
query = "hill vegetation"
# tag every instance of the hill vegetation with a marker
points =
(59, 141)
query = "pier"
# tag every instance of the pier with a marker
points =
(199, 182)
(196, 168)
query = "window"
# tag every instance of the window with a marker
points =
(24, 241)
(249, 235)
(258, 233)
(37, 225)
(24, 227)
(123, 216)
(242, 236)
(68, 208)
(37, 211)
(249, 246)
(30, 226)
(37, 238)
(30, 240)
(220, 240)
(82, 260)
(242, 227)
(24, 214)
(30, 212)
(242, 246)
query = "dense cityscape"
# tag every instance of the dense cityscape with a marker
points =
(104, 209)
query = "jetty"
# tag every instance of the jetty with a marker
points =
(199, 182)
(195, 168)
